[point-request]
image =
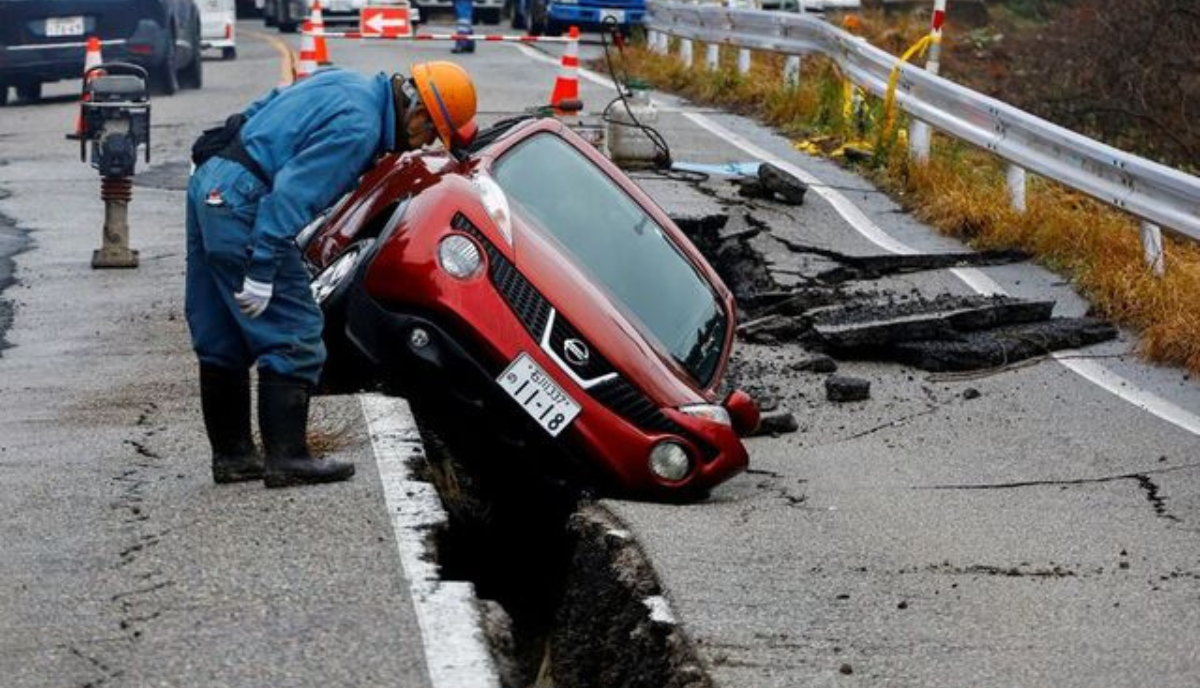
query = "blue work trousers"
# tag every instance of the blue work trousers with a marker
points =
(464, 15)
(286, 339)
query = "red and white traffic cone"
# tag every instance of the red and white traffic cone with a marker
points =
(318, 25)
(91, 59)
(566, 85)
(308, 53)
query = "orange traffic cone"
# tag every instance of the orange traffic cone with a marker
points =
(566, 86)
(318, 24)
(308, 53)
(91, 59)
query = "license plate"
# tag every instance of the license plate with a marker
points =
(64, 26)
(539, 395)
(616, 15)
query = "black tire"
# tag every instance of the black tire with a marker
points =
(3, 94)
(228, 53)
(346, 370)
(554, 28)
(192, 76)
(165, 75)
(489, 15)
(285, 21)
(30, 92)
(538, 17)
(269, 14)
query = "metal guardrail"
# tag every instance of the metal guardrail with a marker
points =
(1148, 190)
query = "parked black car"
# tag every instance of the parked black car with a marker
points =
(287, 15)
(44, 40)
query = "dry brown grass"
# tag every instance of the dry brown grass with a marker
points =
(961, 192)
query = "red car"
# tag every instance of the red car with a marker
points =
(533, 286)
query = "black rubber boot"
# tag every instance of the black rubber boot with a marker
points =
(225, 401)
(283, 421)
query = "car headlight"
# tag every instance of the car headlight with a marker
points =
(496, 203)
(669, 461)
(459, 256)
(716, 414)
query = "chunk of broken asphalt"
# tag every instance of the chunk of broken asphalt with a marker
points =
(841, 388)
(816, 364)
(773, 183)
(1002, 346)
(971, 393)
(776, 423)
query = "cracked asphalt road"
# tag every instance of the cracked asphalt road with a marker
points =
(1020, 527)
(1040, 533)
(122, 564)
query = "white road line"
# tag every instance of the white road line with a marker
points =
(451, 633)
(1091, 371)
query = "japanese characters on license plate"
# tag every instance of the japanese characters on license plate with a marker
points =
(538, 394)
(616, 15)
(64, 26)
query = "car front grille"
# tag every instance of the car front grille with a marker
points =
(530, 307)
(534, 312)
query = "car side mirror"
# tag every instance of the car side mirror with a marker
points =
(743, 411)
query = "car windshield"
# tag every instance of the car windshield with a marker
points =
(555, 188)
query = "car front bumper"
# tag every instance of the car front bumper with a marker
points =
(471, 335)
(146, 47)
(583, 15)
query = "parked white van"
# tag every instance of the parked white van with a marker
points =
(218, 26)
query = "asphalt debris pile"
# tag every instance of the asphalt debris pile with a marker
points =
(833, 309)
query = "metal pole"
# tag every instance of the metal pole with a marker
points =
(685, 52)
(1152, 246)
(919, 133)
(1016, 187)
(712, 57)
(791, 70)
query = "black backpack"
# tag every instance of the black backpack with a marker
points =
(225, 141)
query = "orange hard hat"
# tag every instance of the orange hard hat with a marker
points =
(448, 95)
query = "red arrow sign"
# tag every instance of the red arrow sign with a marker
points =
(390, 22)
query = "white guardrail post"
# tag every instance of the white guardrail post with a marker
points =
(1159, 196)
(712, 57)
(1152, 246)
(791, 71)
(685, 52)
(918, 131)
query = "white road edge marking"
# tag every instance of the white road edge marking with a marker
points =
(456, 653)
(1091, 371)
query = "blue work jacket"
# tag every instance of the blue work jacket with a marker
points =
(313, 139)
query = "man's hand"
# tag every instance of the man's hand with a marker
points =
(253, 297)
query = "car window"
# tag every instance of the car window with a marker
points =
(561, 193)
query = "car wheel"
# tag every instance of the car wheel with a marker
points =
(192, 76)
(229, 53)
(554, 28)
(3, 94)
(537, 17)
(166, 75)
(489, 15)
(345, 369)
(269, 15)
(285, 21)
(30, 93)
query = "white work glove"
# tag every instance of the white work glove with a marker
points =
(253, 297)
